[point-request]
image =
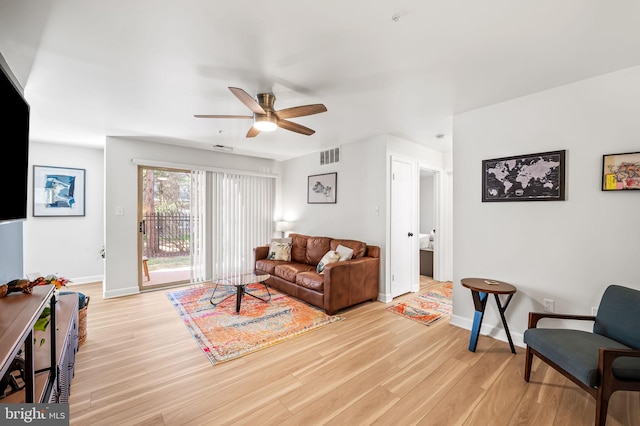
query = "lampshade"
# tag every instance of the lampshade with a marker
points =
(282, 226)
(265, 123)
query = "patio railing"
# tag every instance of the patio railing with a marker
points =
(166, 234)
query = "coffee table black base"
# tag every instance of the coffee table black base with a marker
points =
(241, 291)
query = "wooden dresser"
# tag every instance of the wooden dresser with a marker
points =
(48, 372)
(426, 262)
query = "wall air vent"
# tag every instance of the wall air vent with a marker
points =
(330, 156)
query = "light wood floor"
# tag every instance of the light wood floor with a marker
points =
(140, 366)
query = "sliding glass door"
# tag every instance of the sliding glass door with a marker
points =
(197, 224)
(164, 229)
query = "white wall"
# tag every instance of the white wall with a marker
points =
(11, 251)
(568, 251)
(67, 246)
(121, 190)
(360, 190)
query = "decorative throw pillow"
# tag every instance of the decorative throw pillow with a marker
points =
(280, 251)
(330, 257)
(345, 252)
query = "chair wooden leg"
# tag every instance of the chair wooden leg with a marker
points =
(527, 364)
(603, 394)
(146, 269)
(602, 406)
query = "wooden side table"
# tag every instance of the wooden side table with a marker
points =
(480, 290)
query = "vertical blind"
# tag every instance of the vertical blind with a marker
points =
(198, 215)
(242, 219)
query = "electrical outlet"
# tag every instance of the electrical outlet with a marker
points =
(594, 310)
(548, 305)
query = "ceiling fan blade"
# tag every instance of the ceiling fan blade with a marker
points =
(253, 132)
(221, 116)
(248, 100)
(295, 127)
(300, 111)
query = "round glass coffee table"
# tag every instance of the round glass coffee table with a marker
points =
(240, 282)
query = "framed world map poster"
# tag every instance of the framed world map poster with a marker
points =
(531, 177)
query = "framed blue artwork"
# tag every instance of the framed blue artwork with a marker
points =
(58, 191)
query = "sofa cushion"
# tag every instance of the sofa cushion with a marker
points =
(358, 247)
(288, 271)
(299, 248)
(316, 248)
(618, 315)
(311, 280)
(576, 351)
(268, 266)
(329, 257)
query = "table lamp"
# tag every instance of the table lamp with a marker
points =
(282, 227)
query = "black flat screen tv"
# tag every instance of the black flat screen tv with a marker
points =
(14, 139)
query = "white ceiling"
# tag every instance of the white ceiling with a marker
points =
(143, 68)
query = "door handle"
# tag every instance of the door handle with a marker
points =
(410, 234)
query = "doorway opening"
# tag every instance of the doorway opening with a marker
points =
(427, 222)
(164, 215)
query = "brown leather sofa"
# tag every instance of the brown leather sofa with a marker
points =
(343, 283)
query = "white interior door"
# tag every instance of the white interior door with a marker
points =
(404, 233)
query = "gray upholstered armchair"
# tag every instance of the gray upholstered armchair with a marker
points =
(601, 362)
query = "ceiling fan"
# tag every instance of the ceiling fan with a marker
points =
(266, 118)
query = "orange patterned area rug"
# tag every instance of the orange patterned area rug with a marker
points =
(224, 335)
(428, 307)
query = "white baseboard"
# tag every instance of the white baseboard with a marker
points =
(488, 330)
(127, 291)
(86, 280)
(384, 297)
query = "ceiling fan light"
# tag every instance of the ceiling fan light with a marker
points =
(265, 123)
